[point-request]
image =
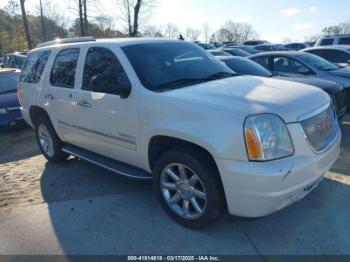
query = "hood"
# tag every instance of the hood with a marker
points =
(328, 86)
(345, 72)
(255, 95)
(9, 100)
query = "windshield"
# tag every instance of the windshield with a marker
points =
(248, 49)
(160, 65)
(279, 48)
(237, 52)
(219, 53)
(8, 82)
(247, 67)
(318, 62)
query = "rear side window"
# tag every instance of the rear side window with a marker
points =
(327, 41)
(344, 41)
(34, 66)
(103, 72)
(63, 70)
(263, 61)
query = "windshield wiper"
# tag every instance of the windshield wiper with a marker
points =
(184, 81)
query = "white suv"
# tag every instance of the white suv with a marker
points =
(166, 110)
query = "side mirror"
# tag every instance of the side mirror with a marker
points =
(304, 71)
(103, 84)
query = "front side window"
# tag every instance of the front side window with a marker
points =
(167, 65)
(286, 65)
(63, 70)
(328, 41)
(103, 72)
(34, 66)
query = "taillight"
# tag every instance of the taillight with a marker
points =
(19, 93)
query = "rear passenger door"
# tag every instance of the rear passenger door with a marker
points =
(107, 122)
(60, 95)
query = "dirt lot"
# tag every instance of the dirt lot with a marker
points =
(28, 182)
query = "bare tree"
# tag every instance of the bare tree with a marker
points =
(207, 32)
(235, 32)
(25, 24)
(152, 31)
(171, 31)
(85, 17)
(132, 10)
(192, 34)
(342, 28)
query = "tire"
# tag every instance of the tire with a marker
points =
(52, 149)
(194, 163)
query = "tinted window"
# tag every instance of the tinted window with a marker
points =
(328, 41)
(263, 61)
(161, 66)
(238, 52)
(247, 67)
(34, 66)
(344, 41)
(286, 65)
(102, 65)
(336, 56)
(63, 70)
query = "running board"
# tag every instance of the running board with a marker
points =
(108, 163)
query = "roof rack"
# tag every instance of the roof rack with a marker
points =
(337, 35)
(67, 41)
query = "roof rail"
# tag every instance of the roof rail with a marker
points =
(337, 35)
(67, 41)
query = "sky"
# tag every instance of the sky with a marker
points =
(274, 20)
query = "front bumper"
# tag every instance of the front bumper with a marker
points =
(256, 189)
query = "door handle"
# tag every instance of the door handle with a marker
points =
(49, 97)
(84, 104)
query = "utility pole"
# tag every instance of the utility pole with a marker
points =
(43, 31)
(85, 18)
(81, 19)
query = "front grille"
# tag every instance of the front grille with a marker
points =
(321, 129)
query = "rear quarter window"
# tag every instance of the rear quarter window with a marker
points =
(34, 66)
(344, 41)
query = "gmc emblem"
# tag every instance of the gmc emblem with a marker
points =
(324, 125)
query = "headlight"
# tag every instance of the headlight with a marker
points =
(3, 111)
(267, 138)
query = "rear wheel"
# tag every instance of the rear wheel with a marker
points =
(186, 186)
(48, 141)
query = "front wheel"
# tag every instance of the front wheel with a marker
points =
(186, 186)
(48, 141)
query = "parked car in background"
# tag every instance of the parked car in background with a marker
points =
(337, 54)
(215, 52)
(249, 49)
(217, 44)
(255, 42)
(210, 140)
(1, 62)
(10, 113)
(206, 46)
(270, 47)
(294, 63)
(333, 40)
(296, 46)
(245, 66)
(14, 60)
(235, 51)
